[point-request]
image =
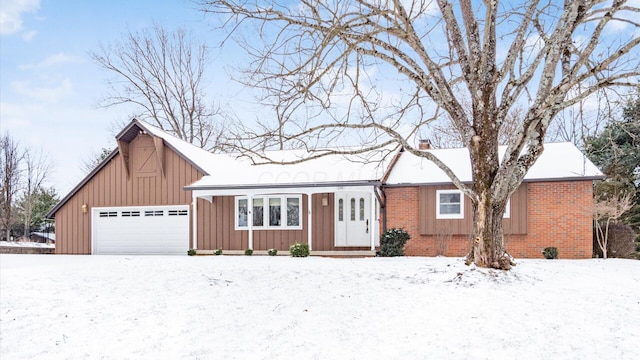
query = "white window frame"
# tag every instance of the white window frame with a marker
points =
(284, 214)
(507, 210)
(449, 216)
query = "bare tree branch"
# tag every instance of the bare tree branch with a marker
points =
(163, 74)
(10, 173)
(325, 66)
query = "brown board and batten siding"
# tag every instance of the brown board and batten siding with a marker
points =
(154, 179)
(516, 223)
(216, 227)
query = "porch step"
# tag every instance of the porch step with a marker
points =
(335, 254)
(345, 254)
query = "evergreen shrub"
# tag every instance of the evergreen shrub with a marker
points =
(392, 242)
(550, 252)
(299, 250)
(619, 241)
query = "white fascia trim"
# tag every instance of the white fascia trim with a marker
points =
(280, 191)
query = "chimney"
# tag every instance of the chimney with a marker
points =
(425, 144)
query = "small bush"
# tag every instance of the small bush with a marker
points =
(620, 242)
(550, 252)
(392, 242)
(191, 252)
(299, 250)
(272, 252)
(248, 252)
(217, 252)
(638, 247)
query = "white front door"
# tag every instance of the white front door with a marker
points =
(353, 219)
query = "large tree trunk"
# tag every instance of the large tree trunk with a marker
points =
(489, 204)
(488, 238)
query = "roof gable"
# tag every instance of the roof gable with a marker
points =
(194, 155)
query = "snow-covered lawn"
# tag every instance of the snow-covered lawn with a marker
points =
(226, 307)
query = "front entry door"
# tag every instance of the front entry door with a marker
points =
(353, 223)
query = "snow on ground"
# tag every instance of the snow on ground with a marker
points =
(240, 307)
(25, 244)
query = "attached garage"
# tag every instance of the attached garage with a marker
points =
(134, 201)
(140, 230)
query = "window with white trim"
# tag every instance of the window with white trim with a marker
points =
(507, 210)
(277, 212)
(449, 204)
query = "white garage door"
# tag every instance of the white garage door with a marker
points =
(141, 230)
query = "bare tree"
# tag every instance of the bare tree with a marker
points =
(36, 170)
(334, 56)
(606, 211)
(443, 134)
(10, 157)
(585, 119)
(163, 74)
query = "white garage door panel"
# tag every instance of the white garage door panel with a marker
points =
(139, 233)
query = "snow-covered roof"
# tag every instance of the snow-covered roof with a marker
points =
(228, 171)
(329, 169)
(557, 161)
(232, 171)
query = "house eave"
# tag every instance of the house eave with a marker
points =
(284, 186)
(555, 179)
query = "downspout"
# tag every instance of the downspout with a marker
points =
(309, 221)
(194, 214)
(250, 219)
(382, 196)
(382, 200)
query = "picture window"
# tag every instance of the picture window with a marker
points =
(269, 212)
(449, 204)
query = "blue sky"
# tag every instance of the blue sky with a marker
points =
(49, 86)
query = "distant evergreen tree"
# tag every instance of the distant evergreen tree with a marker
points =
(43, 200)
(95, 159)
(616, 151)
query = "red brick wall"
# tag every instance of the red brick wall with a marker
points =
(558, 215)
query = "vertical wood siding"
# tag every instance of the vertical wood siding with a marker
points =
(111, 187)
(216, 227)
(429, 225)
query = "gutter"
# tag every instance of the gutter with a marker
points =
(283, 186)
